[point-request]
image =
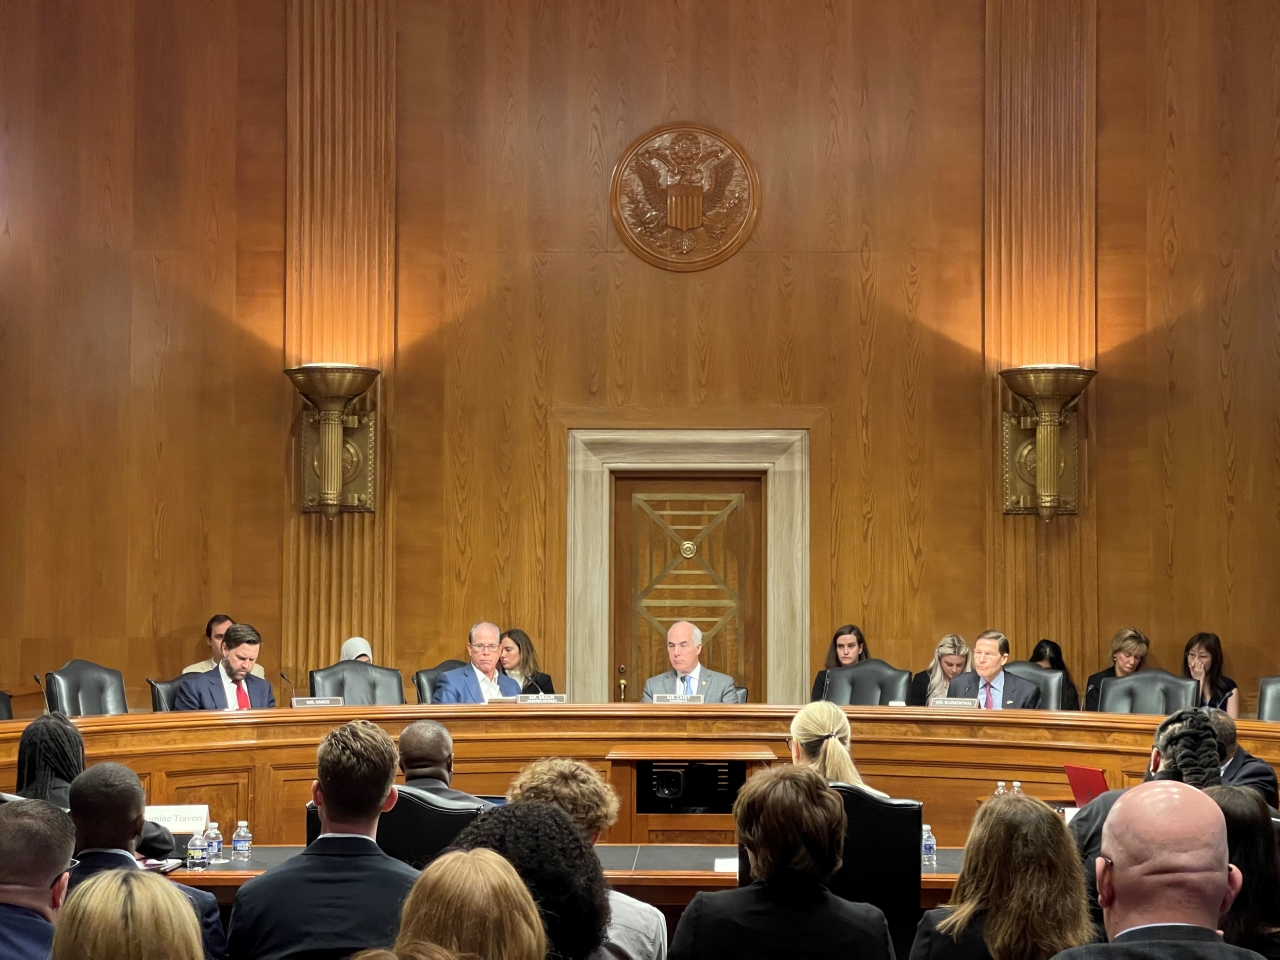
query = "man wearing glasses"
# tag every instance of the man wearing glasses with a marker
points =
(479, 681)
(36, 843)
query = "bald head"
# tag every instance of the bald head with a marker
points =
(426, 750)
(1167, 847)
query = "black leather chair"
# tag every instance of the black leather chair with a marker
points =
(359, 684)
(867, 684)
(1049, 681)
(6, 706)
(1269, 699)
(742, 694)
(417, 828)
(1148, 691)
(164, 692)
(425, 680)
(84, 689)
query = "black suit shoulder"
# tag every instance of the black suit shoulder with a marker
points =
(1246, 770)
(1174, 942)
(1093, 687)
(1070, 696)
(538, 683)
(918, 695)
(931, 944)
(819, 682)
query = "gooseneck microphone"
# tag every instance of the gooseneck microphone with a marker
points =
(535, 685)
(293, 692)
(826, 685)
(36, 678)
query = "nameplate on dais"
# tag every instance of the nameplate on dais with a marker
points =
(179, 817)
(970, 702)
(677, 698)
(542, 698)
(317, 701)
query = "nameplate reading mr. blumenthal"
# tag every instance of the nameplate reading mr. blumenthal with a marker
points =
(317, 701)
(677, 698)
(970, 702)
(542, 698)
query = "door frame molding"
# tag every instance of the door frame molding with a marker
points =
(783, 455)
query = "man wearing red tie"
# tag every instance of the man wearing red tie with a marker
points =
(230, 685)
(994, 688)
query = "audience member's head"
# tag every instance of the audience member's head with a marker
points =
(1251, 846)
(848, 646)
(426, 751)
(127, 915)
(820, 739)
(36, 843)
(50, 750)
(792, 826)
(1129, 650)
(357, 648)
(575, 787)
(410, 951)
(475, 904)
(1022, 869)
(355, 777)
(951, 657)
(990, 654)
(108, 806)
(1186, 748)
(1164, 859)
(241, 645)
(557, 865)
(1224, 728)
(214, 631)
(482, 647)
(684, 647)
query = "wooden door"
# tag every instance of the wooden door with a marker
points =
(687, 548)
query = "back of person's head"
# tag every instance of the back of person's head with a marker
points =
(558, 866)
(473, 903)
(239, 634)
(425, 745)
(107, 805)
(355, 766)
(410, 951)
(127, 915)
(50, 749)
(1189, 749)
(792, 825)
(1224, 728)
(1022, 867)
(1251, 845)
(36, 843)
(1046, 651)
(821, 730)
(574, 786)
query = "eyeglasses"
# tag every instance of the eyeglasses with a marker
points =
(485, 648)
(71, 866)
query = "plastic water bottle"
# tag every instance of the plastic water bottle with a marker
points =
(213, 837)
(197, 852)
(242, 842)
(928, 849)
(1000, 790)
(1017, 788)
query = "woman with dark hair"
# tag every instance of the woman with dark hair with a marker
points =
(1253, 922)
(848, 646)
(1202, 660)
(558, 866)
(1020, 894)
(1129, 648)
(1048, 654)
(520, 662)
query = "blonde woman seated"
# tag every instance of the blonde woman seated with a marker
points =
(820, 739)
(1020, 894)
(127, 915)
(951, 657)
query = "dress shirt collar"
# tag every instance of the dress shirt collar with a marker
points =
(997, 691)
(1149, 926)
(332, 836)
(488, 688)
(695, 673)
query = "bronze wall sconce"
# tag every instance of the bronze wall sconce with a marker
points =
(1043, 436)
(338, 449)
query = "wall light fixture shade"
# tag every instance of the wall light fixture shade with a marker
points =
(1048, 390)
(331, 388)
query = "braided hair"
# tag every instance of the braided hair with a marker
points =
(50, 749)
(1189, 748)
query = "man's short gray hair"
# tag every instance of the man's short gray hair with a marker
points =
(697, 634)
(471, 634)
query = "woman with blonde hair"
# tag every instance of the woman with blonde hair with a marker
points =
(820, 739)
(1129, 648)
(951, 657)
(127, 915)
(473, 902)
(1020, 894)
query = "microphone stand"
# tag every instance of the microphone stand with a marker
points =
(293, 691)
(43, 691)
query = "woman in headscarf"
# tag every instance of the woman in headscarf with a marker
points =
(357, 648)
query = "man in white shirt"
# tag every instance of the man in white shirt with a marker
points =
(687, 674)
(479, 681)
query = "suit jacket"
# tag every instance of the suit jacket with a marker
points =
(339, 896)
(794, 920)
(205, 904)
(932, 945)
(1246, 770)
(1175, 942)
(462, 686)
(714, 687)
(1086, 828)
(203, 691)
(1019, 694)
(24, 934)
(537, 683)
(918, 694)
(441, 789)
(1093, 687)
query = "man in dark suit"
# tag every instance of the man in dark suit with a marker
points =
(1164, 878)
(994, 688)
(426, 759)
(1240, 767)
(107, 805)
(36, 842)
(480, 680)
(342, 894)
(230, 685)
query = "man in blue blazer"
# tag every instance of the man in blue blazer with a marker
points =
(36, 843)
(994, 687)
(230, 685)
(479, 681)
(107, 807)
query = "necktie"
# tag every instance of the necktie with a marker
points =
(990, 704)
(688, 685)
(242, 696)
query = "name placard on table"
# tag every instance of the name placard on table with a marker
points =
(968, 702)
(317, 701)
(542, 698)
(677, 698)
(181, 817)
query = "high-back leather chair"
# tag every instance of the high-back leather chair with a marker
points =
(417, 828)
(84, 689)
(1148, 691)
(742, 694)
(359, 684)
(1049, 681)
(1269, 699)
(867, 684)
(6, 706)
(164, 692)
(425, 680)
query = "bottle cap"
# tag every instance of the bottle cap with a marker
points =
(927, 827)
(242, 823)
(213, 824)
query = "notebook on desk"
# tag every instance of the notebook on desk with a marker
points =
(1086, 782)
